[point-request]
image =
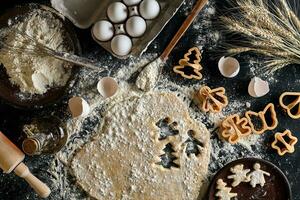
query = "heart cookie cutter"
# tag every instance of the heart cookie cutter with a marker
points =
(190, 68)
(211, 100)
(289, 146)
(234, 127)
(262, 117)
(292, 105)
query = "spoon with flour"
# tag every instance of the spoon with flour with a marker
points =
(150, 74)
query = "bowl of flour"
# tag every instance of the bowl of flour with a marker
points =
(30, 80)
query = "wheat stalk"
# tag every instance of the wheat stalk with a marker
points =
(272, 30)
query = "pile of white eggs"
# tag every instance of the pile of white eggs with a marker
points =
(126, 20)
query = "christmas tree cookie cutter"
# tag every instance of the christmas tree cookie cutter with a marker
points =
(293, 105)
(262, 116)
(211, 100)
(189, 67)
(234, 127)
(281, 140)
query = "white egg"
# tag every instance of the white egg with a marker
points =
(117, 12)
(79, 107)
(103, 30)
(131, 2)
(136, 26)
(121, 45)
(149, 9)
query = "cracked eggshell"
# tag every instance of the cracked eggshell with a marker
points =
(117, 12)
(131, 2)
(149, 9)
(107, 87)
(79, 107)
(136, 26)
(258, 87)
(229, 67)
(121, 45)
(103, 30)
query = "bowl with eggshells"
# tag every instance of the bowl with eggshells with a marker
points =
(122, 27)
(36, 88)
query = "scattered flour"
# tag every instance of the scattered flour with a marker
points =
(83, 130)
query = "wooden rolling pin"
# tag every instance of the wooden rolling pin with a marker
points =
(11, 159)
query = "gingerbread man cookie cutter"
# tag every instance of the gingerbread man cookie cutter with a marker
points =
(189, 68)
(281, 140)
(234, 127)
(263, 119)
(213, 100)
(293, 105)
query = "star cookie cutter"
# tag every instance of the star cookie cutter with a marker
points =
(289, 146)
(234, 127)
(293, 105)
(263, 119)
(189, 67)
(213, 100)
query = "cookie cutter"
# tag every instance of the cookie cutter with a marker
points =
(262, 117)
(234, 127)
(213, 100)
(292, 105)
(289, 146)
(190, 68)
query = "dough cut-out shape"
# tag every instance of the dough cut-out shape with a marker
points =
(293, 108)
(234, 127)
(192, 144)
(257, 177)
(167, 128)
(224, 193)
(239, 175)
(189, 67)
(169, 158)
(262, 117)
(284, 142)
(211, 100)
(121, 159)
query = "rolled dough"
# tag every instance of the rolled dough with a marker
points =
(123, 161)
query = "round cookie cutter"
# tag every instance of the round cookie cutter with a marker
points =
(10, 93)
(277, 185)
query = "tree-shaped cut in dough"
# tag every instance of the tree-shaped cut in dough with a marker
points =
(168, 159)
(224, 193)
(193, 145)
(166, 128)
(239, 175)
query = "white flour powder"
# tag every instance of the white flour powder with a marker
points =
(35, 74)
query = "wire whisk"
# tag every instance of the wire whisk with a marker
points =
(31, 46)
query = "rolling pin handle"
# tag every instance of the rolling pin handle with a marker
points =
(40, 188)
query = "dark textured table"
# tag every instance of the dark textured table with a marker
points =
(13, 188)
